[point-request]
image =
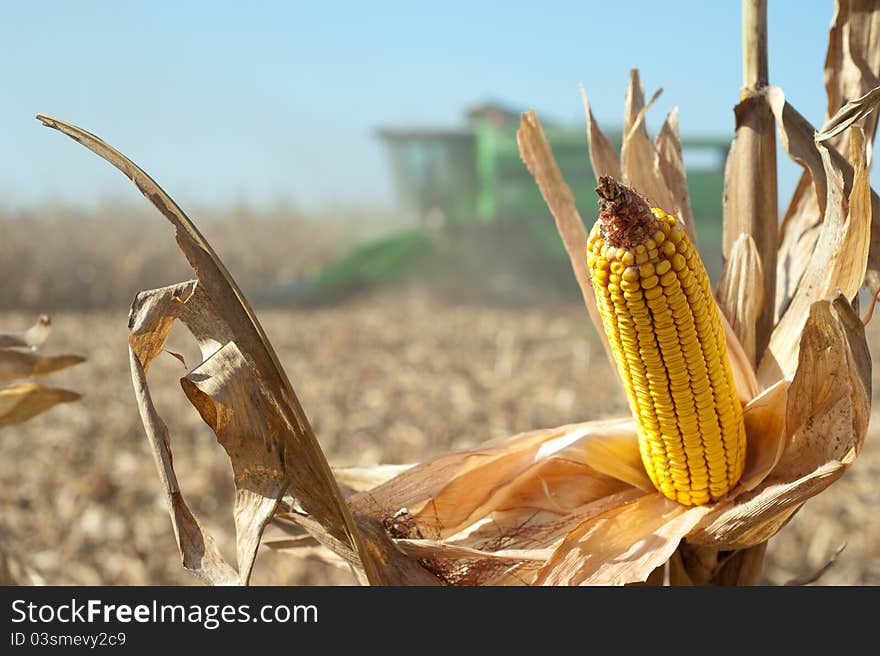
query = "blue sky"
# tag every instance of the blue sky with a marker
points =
(223, 102)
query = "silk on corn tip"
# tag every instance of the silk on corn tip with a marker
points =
(668, 342)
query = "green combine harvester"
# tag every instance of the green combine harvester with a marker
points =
(471, 193)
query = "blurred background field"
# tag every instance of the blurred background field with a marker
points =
(394, 374)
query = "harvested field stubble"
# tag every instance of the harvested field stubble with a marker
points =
(392, 378)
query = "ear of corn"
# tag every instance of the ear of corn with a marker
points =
(668, 342)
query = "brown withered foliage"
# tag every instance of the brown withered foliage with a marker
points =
(21, 398)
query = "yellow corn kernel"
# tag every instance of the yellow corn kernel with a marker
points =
(668, 343)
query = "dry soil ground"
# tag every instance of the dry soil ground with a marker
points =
(392, 378)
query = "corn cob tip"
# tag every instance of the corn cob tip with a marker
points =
(625, 218)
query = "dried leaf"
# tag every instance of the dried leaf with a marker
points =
(22, 401)
(750, 194)
(764, 418)
(854, 110)
(23, 364)
(829, 402)
(741, 291)
(359, 479)
(538, 157)
(852, 63)
(305, 469)
(430, 549)
(669, 167)
(839, 260)
(31, 338)
(449, 493)
(231, 399)
(530, 491)
(757, 519)
(602, 155)
(638, 156)
(744, 377)
(622, 545)
(798, 232)
(397, 567)
(149, 322)
(826, 423)
(852, 67)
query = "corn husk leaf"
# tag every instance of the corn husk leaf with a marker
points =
(838, 261)
(21, 401)
(602, 156)
(521, 495)
(826, 420)
(447, 494)
(622, 545)
(750, 194)
(240, 368)
(741, 292)
(670, 167)
(656, 169)
(358, 479)
(532, 508)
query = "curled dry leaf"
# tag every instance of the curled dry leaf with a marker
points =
(852, 62)
(854, 110)
(240, 375)
(852, 67)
